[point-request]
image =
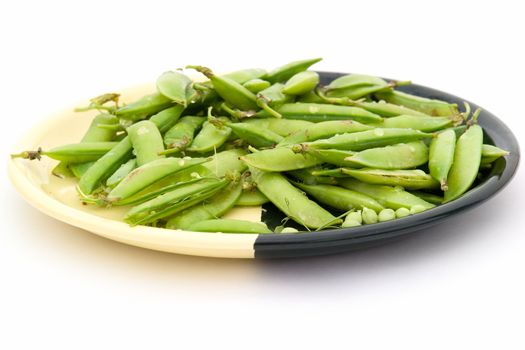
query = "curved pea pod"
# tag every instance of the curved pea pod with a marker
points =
(279, 159)
(332, 156)
(144, 107)
(301, 83)
(72, 153)
(441, 156)
(226, 162)
(211, 208)
(231, 91)
(422, 104)
(256, 85)
(388, 196)
(385, 109)
(399, 156)
(307, 177)
(428, 197)
(317, 112)
(282, 127)
(121, 173)
(180, 135)
(146, 141)
(324, 130)
(252, 197)
(271, 98)
(172, 202)
(467, 159)
(229, 226)
(254, 135)
(287, 71)
(291, 201)
(166, 118)
(149, 173)
(369, 139)
(340, 198)
(176, 87)
(490, 153)
(333, 173)
(210, 137)
(353, 80)
(408, 179)
(426, 124)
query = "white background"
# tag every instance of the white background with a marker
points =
(458, 285)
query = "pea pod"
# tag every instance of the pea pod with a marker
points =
(252, 197)
(399, 156)
(255, 136)
(354, 80)
(229, 226)
(467, 159)
(172, 202)
(408, 179)
(279, 159)
(441, 156)
(72, 153)
(422, 104)
(388, 196)
(369, 139)
(283, 127)
(301, 83)
(166, 118)
(181, 135)
(428, 197)
(317, 112)
(210, 137)
(211, 208)
(146, 141)
(307, 177)
(121, 173)
(176, 87)
(226, 162)
(285, 72)
(144, 107)
(426, 124)
(340, 198)
(385, 109)
(149, 173)
(490, 153)
(292, 201)
(244, 75)
(79, 169)
(324, 130)
(231, 91)
(271, 98)
(330, 156)
(256, 85)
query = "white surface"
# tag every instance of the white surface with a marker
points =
(459, 285)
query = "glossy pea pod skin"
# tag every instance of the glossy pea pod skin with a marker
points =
(250, 198)
(144, 107)
(282, 127)
(317, 112)
(307, 177)
(121, 173)
(408, 179)
(340, 198)
(181, 135)
(226, 162)
(467, 160)
(425, 124)
(490, 153)
(422, 104)
(255, 136)
(211, 208)
(288, 70)
(441, 156)
(378, 137)
(271, 98)
(256, 85)
(211, 137)
(301, 83)
(229, 226)
(385, 109)
(279, 159)
(72, 153)
(355, 86)
(146, 141)
(291, 200)
(176, 87)
(324, 130)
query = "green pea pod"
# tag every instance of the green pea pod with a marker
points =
(144, 107)
(369, 139)
(181, 135)
(229, 226)
(271, 98)
(210, 137)
(467, 159)
(301, 83)
(441, 156)
(311, 97)
(172, 202)
(146, 140)
(332, 156)
(244, 75)
(282, 127)
(340, 198)
(324, 130)
(385, 109)
(252, 197)
(211, 208)
(316, 112)
(279, 159)
(121, 173)
(306, 176)
(354, 80)
(399, 156)
(231, 91)
(426, 124)
(149, 173)
(490, 153)
(408, 179)
(72, 153)
(176, 86)
(256, 85)
(226, 162)
(291, 201)
(287, 71)
(255, 136)
(388, 196)
(422, 104)
(79, 169)
(121, 153)
(428, 197)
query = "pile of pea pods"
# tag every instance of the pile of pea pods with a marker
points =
(356, 151)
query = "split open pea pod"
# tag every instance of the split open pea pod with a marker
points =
(280, 159)
(408, 179)
(324, 130)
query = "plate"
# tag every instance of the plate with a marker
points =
(58, 199)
